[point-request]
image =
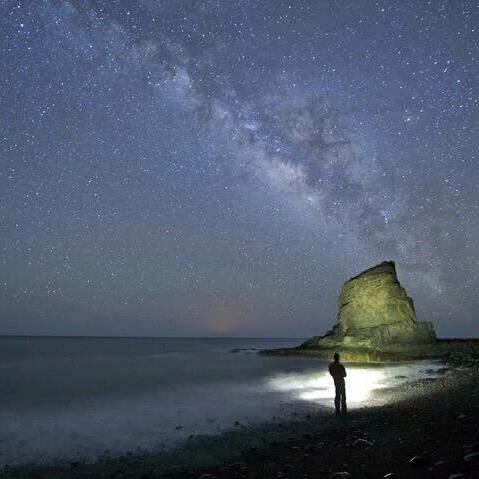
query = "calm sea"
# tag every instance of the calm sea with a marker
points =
(70, 398)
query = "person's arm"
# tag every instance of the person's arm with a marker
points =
(344, 372)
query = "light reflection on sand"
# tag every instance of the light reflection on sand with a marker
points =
(361, 382)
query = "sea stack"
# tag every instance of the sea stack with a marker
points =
(375, 313)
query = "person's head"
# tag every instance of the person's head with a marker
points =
(336, 357)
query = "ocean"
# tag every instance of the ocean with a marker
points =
(65, 399)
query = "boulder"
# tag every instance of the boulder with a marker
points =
(374, 312)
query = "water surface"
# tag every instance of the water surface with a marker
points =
(71, 398)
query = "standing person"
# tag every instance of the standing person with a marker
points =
(338, 371)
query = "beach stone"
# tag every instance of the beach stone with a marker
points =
(340, 475)
(390, 475)
(472, 457)
(456, 476)
(374, 311)
(207, 476)
(417, 461)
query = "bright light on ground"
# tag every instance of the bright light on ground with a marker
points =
(360, 382)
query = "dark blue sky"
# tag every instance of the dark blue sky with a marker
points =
(221, 167)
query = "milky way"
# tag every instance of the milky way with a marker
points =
(220, 168)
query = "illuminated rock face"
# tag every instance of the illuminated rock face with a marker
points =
(374, 298)
(374, 312)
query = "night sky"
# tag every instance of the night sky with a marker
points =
(222, 167)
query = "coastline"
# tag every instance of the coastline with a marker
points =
(435, 419)
(455, 351)
(431, 431)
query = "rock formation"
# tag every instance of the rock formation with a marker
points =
(375, 313)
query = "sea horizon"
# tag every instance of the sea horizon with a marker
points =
(145, 337)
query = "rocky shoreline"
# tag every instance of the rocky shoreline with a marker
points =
(430, 432)
(454, 351)
(429, 429)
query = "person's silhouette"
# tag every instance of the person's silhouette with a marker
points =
(337, 370)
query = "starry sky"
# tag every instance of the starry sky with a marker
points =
(180, 168)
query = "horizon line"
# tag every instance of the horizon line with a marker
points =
(144, 337)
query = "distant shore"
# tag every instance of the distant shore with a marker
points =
(433, 420)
